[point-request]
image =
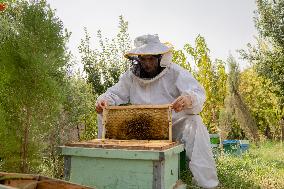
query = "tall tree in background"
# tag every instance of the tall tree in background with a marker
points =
(106, 62)
(80, 108)
(212, 77)
(257, 92)
(32, 61)
(268, 54)
(76, 121)
(180, 58)
(235, 107)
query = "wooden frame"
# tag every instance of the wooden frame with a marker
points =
(155, 108)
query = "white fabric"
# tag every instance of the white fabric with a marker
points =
(166, 59)
(148, 45)
(188, 128)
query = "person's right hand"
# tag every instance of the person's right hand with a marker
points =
(181, 103)
(100, 105)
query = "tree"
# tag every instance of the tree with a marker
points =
(212, 77)
(260, 98)
(235, 107)
(80, 108)
(75, 122)
(106, 63)
(32, 61)
(179, 57)
(268, 54)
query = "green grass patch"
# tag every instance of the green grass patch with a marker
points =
(261, 167)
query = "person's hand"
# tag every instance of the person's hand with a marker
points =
(100, 105)
(181, 103)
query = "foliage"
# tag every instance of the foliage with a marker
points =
(106, 63)
(212, 77)
(41, 107)
(235, 109)
(32, 55)
(268, 54)
(260, 98)
(261, 167)
(269, 20)
(76, 121)
(179, 57)
(81, 108)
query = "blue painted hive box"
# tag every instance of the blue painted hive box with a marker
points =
(123, 164)
(231, 147)
(244, 145)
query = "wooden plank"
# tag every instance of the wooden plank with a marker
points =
(28, 181)
(125, 144)
(128, 141)
(28, 184)
(158, 174)
(6, 187)
(170, 124)
(104, 121)
(55, 184)
(159, 148)
(15, 176)
(139, 106)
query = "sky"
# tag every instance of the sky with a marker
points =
(226, 25)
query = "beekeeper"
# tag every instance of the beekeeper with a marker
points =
(155, 79)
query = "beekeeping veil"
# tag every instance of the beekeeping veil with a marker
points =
(151, 45)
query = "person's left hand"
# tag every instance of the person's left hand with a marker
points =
(181, 103)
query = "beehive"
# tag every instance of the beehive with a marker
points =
(139, 122)
(136, 151)
(121, 164)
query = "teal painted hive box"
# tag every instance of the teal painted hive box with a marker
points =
(232, 147)
(215, 144)
(117, 164)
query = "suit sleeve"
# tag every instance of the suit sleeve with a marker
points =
(188, 85)
(119, 93)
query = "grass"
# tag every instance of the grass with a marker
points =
(261, 167)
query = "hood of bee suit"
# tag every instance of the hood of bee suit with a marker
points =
(151, 45)
(165, 62)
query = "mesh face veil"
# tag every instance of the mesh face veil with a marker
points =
(138, 70)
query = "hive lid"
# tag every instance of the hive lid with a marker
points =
(125, 144)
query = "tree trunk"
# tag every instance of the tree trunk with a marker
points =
(267, 132)
(24, 149)
(282, 126)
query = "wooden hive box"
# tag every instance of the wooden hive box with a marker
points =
(136, 151)
(122, 164)
(139, 122)
(30, 181)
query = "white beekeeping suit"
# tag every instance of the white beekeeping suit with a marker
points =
(173, 81)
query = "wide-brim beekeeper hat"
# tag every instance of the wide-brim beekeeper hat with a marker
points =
(148, 45)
